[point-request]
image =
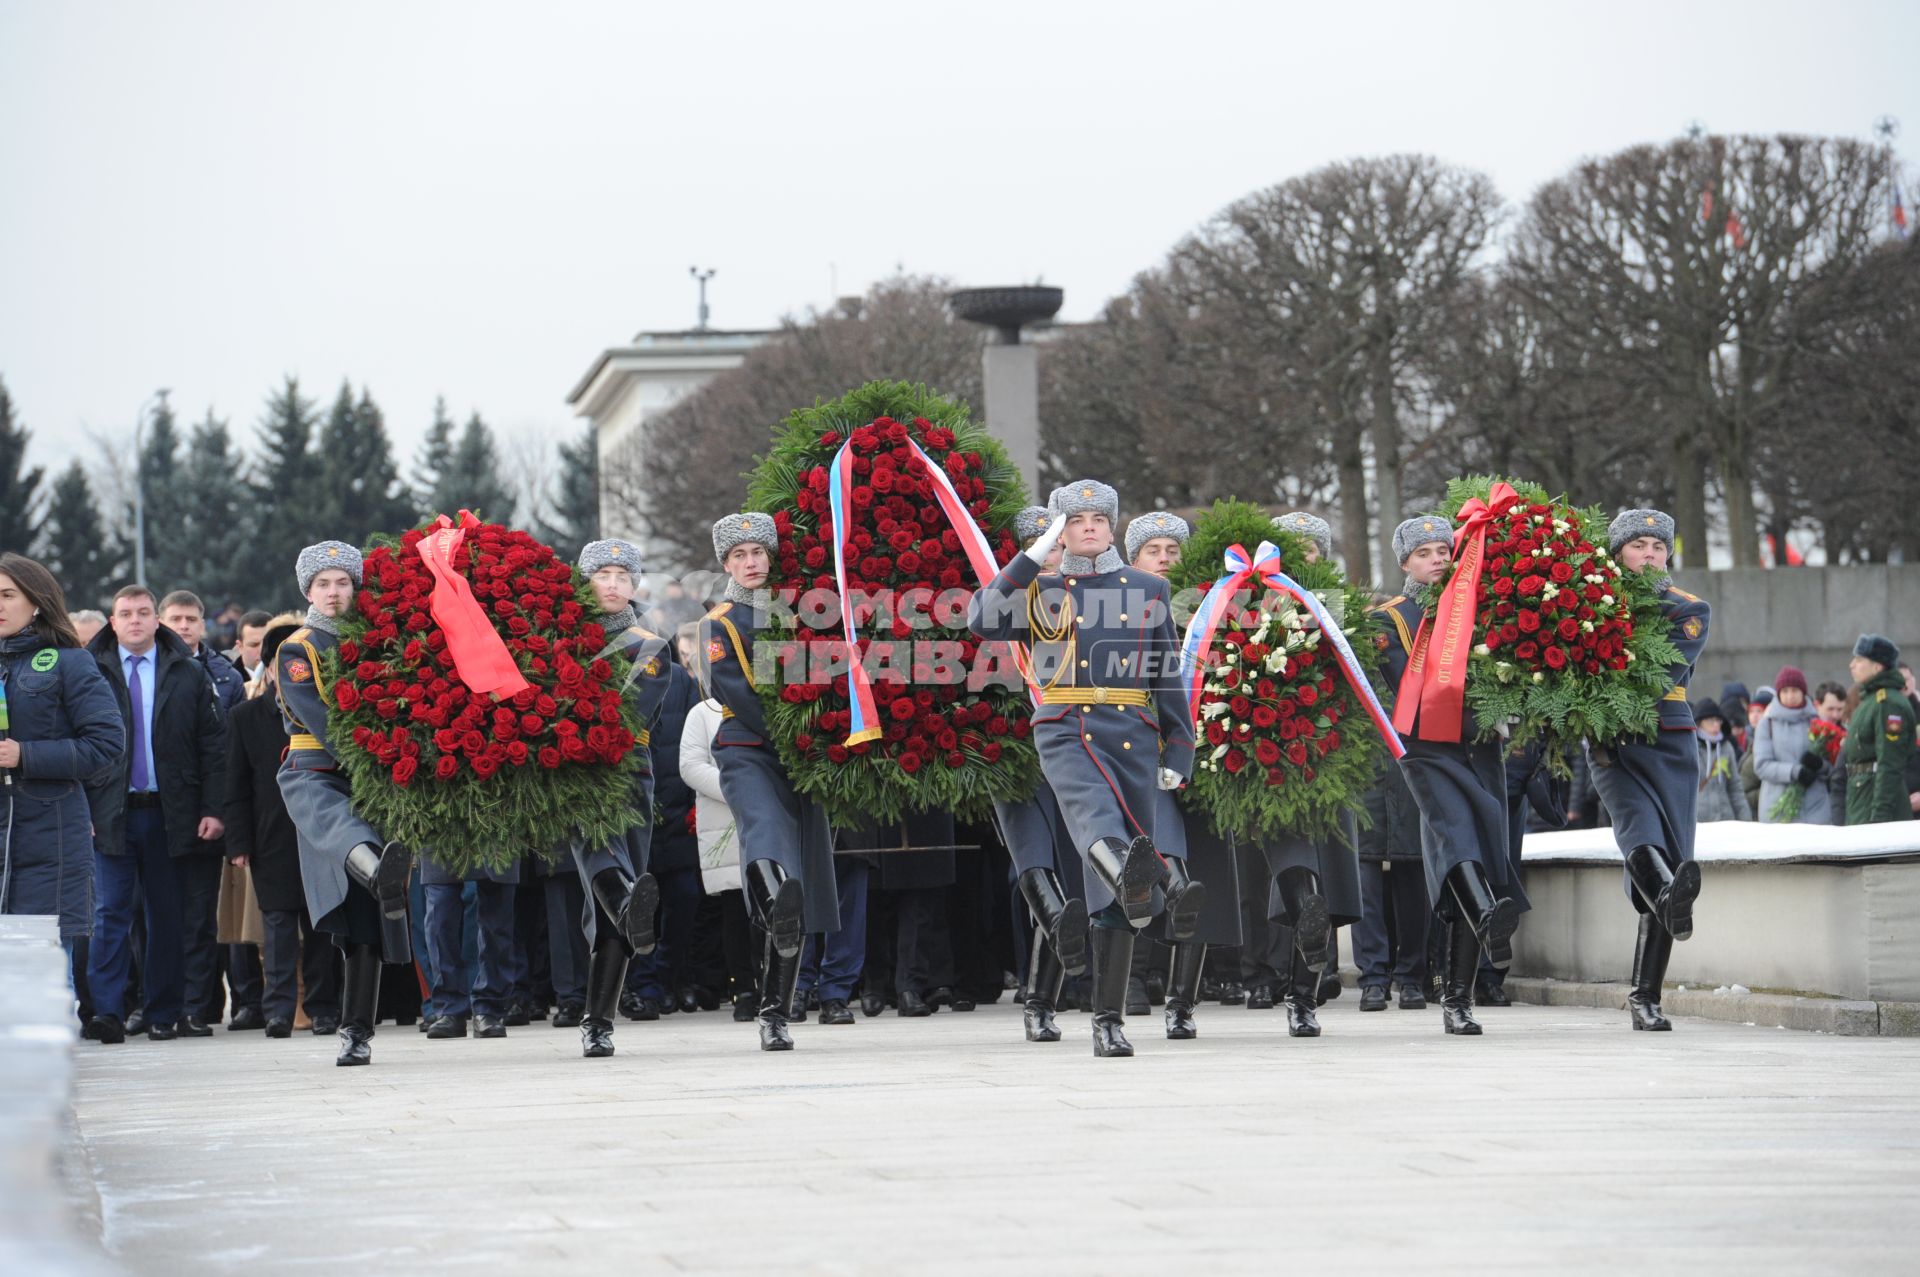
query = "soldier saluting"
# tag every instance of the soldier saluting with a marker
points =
(1043, 855)
(786, 848)
(1112, 727)
(338, 849)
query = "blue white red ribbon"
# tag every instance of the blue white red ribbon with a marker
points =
(1264, 565)
(864, 714)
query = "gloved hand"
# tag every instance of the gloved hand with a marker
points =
(1809, 767)
(1041, 548)
(1171, 779)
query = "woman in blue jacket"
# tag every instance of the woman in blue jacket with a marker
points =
(61, 729)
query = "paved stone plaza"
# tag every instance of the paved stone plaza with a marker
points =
(1560, 1141)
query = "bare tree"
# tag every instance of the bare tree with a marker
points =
(1689, 260)
(1335, 283)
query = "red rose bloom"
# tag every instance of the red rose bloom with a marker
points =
(1556, 658)
(1234, 761)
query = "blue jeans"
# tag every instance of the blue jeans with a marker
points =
(840, 955)
(479, 980)
(146, 867)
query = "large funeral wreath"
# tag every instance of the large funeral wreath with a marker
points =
(476, 781)
(1568, 646)
(1283, 742)
(943, 745)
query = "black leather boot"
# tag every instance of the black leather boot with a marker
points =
(1493, 921)
(779, 910)
(359, 1005)
(606, 975)
(1185, 899)
(633, 906)
(1063, 921)
(1650, 956)
(1183, 990)
(1668, 892)
(1112, 964)
(383, 872)
(1463, 963)
(1130, 871)
(780, 975)
(1045, 977)
(1306, 911)
(1303, 988)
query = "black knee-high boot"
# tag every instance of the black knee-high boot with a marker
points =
(359, 1004)
(779, 907)
(780, 975)
(1130, 871)
(1492, 920)
(1650, 955)
(632, 905)
(1668, 892)
(1303, 994)
(1307, 915)
(606, 973)
(1183, 989)
(383, 872)
(1112, 963)
(1045, 977)
(1062, 921)
(1463, 964)
(1186, 897)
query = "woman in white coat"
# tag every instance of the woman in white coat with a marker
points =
(719, 853)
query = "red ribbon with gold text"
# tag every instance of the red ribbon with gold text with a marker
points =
(480, 656)
(1434, 688)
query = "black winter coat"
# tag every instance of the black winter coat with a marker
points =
(62, 714)
(674, 843)
(189, 748)
(258, 826)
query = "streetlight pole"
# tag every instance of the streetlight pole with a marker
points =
(139, 489)
(701, 277)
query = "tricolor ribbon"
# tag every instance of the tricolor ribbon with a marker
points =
(1264, 565)
(480, 656)
(865, 715)
(1433, 691)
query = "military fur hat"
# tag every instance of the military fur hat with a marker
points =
(1419, 530)
(1155, 523)
(317, 558)
(1312, 527)
(1629, 524)
(1878, 647)
(1030, 523)
(1086, 496)
(610, 553)
(739, 529)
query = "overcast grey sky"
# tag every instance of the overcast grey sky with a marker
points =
(477, 198)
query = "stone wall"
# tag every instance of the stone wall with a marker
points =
(1763, 619)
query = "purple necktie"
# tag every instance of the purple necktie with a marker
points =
(142, 770)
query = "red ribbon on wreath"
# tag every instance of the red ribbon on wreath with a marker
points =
(1434, 688)
(480, 655)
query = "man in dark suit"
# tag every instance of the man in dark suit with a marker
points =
(182, 612)
(154, 814)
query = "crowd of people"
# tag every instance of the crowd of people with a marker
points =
(172, 796)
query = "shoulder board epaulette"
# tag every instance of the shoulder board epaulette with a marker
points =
(1395, 601)
(301, 635)
(1880, 696)
(1680, 593)
(720, 610)
(646, 635)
